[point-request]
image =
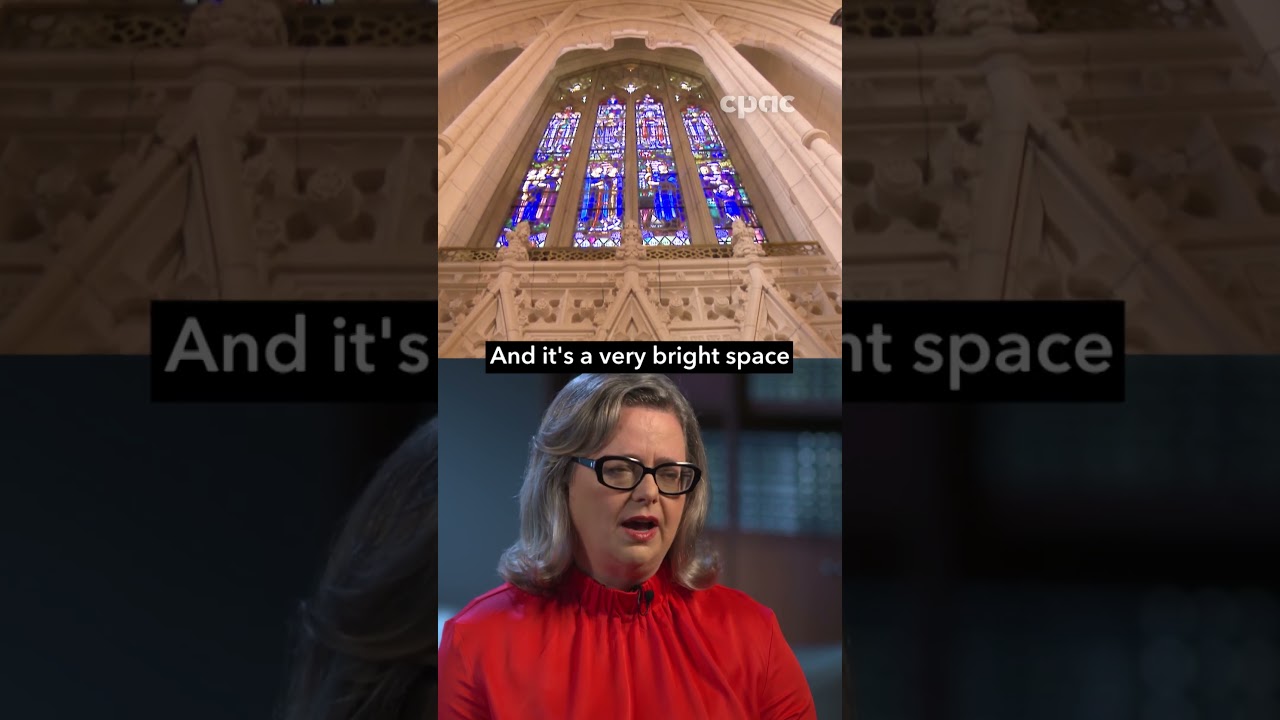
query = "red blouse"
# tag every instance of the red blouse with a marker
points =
(661, 652)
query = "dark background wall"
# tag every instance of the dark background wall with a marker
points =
(1072, 562)
(151, 555)
(485, 426)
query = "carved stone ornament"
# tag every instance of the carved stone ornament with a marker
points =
(253, 23)
(332, 194)
(270, 235)
(744, 241)
(632, 247)
(965, 17)
(517, 244)
(456, 309)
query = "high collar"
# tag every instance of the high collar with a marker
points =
(591, 596)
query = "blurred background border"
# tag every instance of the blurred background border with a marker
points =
(152, 556)
(1071, 561)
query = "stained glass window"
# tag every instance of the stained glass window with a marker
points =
(662, 217)
(602, 211)
(641, 104)
(541, 184)
(726, 198)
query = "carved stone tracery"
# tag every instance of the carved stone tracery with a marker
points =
(963, 17)
(247, 23)
(254, 23)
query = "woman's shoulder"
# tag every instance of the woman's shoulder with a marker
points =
(735, 605)
(494, 607)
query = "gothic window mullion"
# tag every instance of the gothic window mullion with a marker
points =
(633, 169)
(701, 231)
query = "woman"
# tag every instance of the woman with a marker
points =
(367, 649)
(610, 609)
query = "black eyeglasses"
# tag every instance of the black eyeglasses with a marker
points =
(624, 473)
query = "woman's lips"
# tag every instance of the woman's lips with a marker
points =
(640, 529)
(641, 535)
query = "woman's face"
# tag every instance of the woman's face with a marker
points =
(607, 550)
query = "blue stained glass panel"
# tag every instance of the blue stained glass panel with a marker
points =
(725, 196)
(541, 186)
(603, 208)
(662, 214)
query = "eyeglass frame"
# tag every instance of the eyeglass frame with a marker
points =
(597, 464)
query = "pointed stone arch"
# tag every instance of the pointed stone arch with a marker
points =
(97, 285)
(1076, 237)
